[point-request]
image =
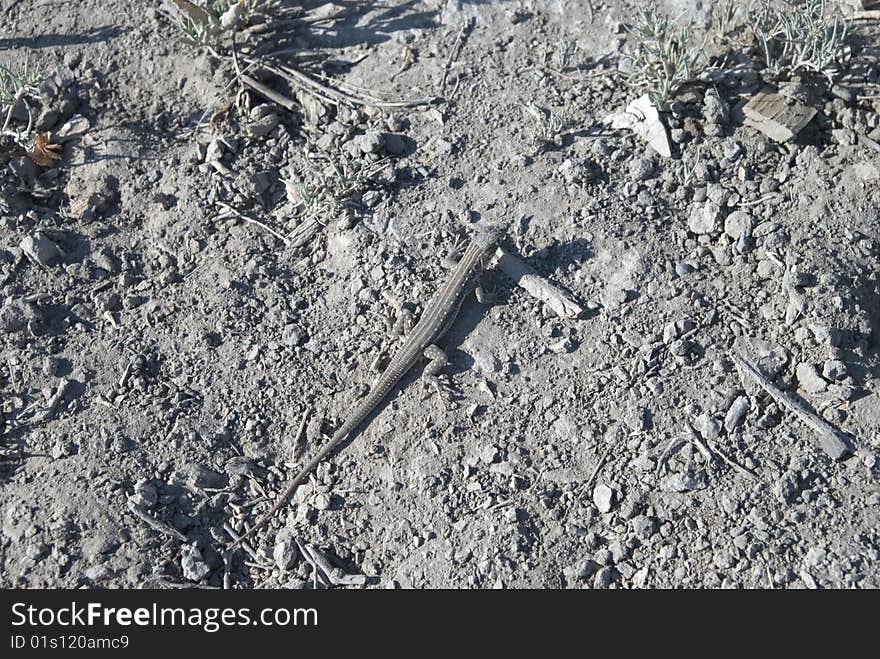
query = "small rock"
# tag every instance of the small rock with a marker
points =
(12, 318)
(738, 225)
(613, 296)
(145, 494)
(580, 571)
(705, 218)
(736, 413)
(394, 144)
(682, 269)
(603, 497)
(285, 554)
(844, 136)
(641, 169)
(724, 559)
(263, 126)
(603, 577)
(680, 483)
(834, 369)
(808, 378)
(708, 426)
(370, 142)
(40, 249)
(644, 527)
(715, 109)
(214, 150)
(193, 565)
(231, 17)
(204, 477)
(787, 486)
(322, 501)
(489, 454)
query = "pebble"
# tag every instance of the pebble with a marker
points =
(708, 426)
(193, 565)
(489, 454)
(644, 527)
(705, 218)
(603, 577)
(786, 487)
(715, 109)
(680, 483)
(263, 126)
(736, 413)
(394, 144)
(12, 317)
(809, 379)
(603, 497)
(580, 571)
(285, 554)
(145, 494)
(738, 225)
(205, 477)
(370, 142)
(613, 297)
(641, 169)
(682, 269)
(322, 501)
(834, 369)
(215, 150)
(40, 249)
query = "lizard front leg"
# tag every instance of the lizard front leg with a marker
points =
(432, 373)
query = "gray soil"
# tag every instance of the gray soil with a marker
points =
(199, 360)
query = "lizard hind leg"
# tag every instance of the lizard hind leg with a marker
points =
(433, 373)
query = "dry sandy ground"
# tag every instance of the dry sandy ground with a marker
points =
(188, 347)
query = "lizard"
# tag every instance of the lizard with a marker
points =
(434, 322)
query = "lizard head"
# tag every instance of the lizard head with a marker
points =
(489, 235)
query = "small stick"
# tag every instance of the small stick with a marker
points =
(305, 231)
(269, 93)
(528, 278)
(11, 372)
(156, 524)
(734, 464)
(453, 53)
(316, 571)
(236, 538)
(227, 569)
(833, 441)
(55, 400)
(866, 15)
(302, 426)
(335, 575)
(232, 212)
(598, 467)
(332, 94)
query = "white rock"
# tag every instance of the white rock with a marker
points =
(193, 565)
(705, 218)
(738, 225)
(809, 379)
(603, 497)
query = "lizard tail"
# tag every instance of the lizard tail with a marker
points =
(291, 488)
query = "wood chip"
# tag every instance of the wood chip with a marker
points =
(563, 304)
(779, 118)
(833, 441)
